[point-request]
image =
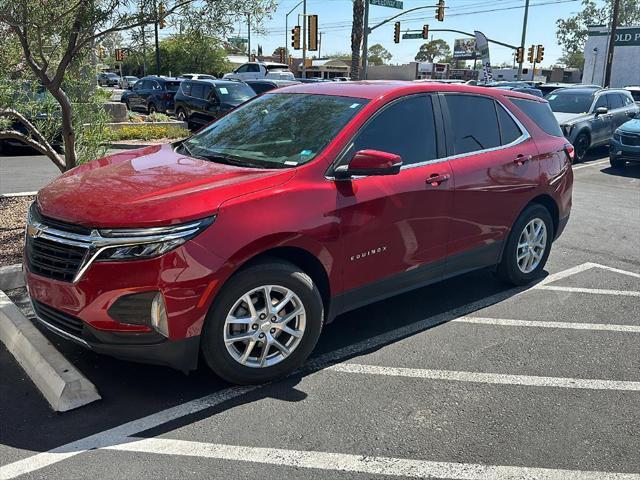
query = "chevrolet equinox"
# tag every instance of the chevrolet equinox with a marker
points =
(237, 244)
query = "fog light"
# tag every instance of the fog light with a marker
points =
(159, 315)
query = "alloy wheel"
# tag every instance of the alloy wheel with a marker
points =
(264, 326)
(531, 245)
(581, 147)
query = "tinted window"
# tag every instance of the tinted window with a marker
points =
(406, 128)
(636, 95)
(570, 102)
(261, 87)
(253, 67)
(234, 93)
(242, 69)
(601, 102)
(197, 90)
(172, 86)
(474, 123)
(541, 115)
(615, 100)
(147, 85)
(186, 88)
(509, 130)
(275, 130)
(626, 99)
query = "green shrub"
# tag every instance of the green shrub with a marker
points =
(147, 132)
(158, 117)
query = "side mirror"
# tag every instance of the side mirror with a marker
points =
(370, 162)
(601, 111)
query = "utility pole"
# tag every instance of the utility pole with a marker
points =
(612, 43)
(365, 41)
(144, 51)
(286, 32)
(320, 45)
(524, 35)
(155, 8)
(304, 39)
(248, 36)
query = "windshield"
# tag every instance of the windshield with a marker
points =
(275, 130)
(570, 102)
(234, 93)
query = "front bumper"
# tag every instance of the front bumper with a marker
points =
(629, 153)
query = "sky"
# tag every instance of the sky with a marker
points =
(504, 23)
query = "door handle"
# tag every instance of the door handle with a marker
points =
(435, 180)
(521, 159)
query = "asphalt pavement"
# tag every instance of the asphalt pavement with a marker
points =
(466, 379)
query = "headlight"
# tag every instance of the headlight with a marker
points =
(617, 137)
(141, 243)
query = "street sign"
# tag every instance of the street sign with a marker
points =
(408, 36)
(387, 3)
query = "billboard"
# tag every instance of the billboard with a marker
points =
(465, 49)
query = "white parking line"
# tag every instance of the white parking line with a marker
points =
(597, 291)
(587, 165)
(493, 378)
(617, 270)
(507, 322)
(400, 467)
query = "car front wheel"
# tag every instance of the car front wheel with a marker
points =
(528, 246)
(581, 145)
(264, 324)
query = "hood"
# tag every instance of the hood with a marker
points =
(632, 126)
(564, 117)
(150, 187)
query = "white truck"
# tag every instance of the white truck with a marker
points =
(261, 70)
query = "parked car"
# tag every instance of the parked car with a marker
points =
(625, 145)
(256, 70)
(588, 116)
(108, 79)
(240, 243)
(522, 87)
(196, 76)
(635, 92)
(127, 82)
(198, 102)
(152, 94)
(261, 86)
(547, 88)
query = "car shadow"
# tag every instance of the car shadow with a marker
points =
(630, 170)
(131, 391)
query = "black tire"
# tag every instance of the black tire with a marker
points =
(616, 162)
(508, 269)
(151, 108)
(283, 274)
(182, 115)
(3, 147)
(126, 103)
(581, 146)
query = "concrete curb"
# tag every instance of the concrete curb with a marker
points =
(128, 146)
(11, 277)
(64, 387)
(17, 194)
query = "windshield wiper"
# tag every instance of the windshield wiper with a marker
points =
(233, 160)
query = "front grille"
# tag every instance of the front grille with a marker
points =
(67, 323)
(55, 260)
(631, 140)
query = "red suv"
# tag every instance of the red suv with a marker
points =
(242, 241)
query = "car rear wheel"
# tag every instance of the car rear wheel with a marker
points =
(263, 325)
(581, 146)
(616, 162)
(152, 109)
(528, 246)
(181, 115)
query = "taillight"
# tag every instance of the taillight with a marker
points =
(168, 96)
(570, 151)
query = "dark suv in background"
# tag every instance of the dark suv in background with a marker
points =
(588, 116)
(152, 94)
(198, 102)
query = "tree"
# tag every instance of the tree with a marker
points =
(378, 55)
(572, 60)
(432, 50)
(57, 36)
(572, 31)
(357, 33)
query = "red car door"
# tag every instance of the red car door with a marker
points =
(496, 169)
(394, 227)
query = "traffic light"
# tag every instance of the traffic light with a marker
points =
(520, 55)
(539, 54)
(282, 55)
(161, 13)
(101, 52)
(312, 29)
(440, 11)
(396, 32)
(531, 53)
(425, 32)
(295, 37)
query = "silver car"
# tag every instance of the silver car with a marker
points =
(588, 116)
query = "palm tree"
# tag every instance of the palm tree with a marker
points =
(357, 32)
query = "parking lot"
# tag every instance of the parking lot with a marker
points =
(462, 380)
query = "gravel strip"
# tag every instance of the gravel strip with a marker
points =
(13, 213)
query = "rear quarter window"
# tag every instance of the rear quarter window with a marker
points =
(540, 113)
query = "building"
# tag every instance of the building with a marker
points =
(626, 56)
(324, 68)
(511, 74)
(409, 71)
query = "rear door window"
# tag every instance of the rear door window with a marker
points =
(197, 90)
(474, 123)
(253, 67)
(540, 113)
(406, 127)
(186, 88)
(615, 100)
(260, 87)
(509, 130)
